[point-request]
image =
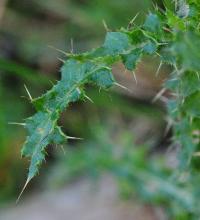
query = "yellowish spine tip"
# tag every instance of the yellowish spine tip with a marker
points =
(25, 185)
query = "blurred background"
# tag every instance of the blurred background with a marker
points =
(121, 130)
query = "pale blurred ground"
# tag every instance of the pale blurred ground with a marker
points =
(81, 200)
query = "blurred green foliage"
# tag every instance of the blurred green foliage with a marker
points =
(137, 170)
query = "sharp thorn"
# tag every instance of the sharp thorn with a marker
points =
(163, 43)
(61, 51)
(63, 149)
(158, 95)
(158, 54)
(61, 60)
(25, 185)
(16, 123)
(159, 67)
(105, 25)
(168, 126)
(78, 89)
(123, 87)
(134, 18)
(74, 138)
(134, 75)
(132, 21)
(72, 45)
(29, 95)
(88, 98)
(51, 82)
(167, 29)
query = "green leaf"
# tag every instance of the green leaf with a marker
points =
(40, 127)
(150, 47)
(186, 48)
(103, 78)
(175, 22)
(137, 36)
(131, 59)
(168, 57)
(190, 83)
(58, 137)
(192, 105)
(116, 43)
(152, 23)
(183, 131)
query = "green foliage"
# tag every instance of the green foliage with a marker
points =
(186, 50)
(136, 170)
(172, 35)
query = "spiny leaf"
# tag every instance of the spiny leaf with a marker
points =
(75, 74)
(168, 57)
(103, 78)
(152, 23)
(131, 59)
(175, 38)
(58, 137)
(192, 105)
(116, 42)
(186, 48)
(150, 47)
(175, 22)
(190, 83)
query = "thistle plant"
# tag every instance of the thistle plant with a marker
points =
(171, 34)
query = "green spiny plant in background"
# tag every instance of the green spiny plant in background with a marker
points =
(151, 179)
(173, 36)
